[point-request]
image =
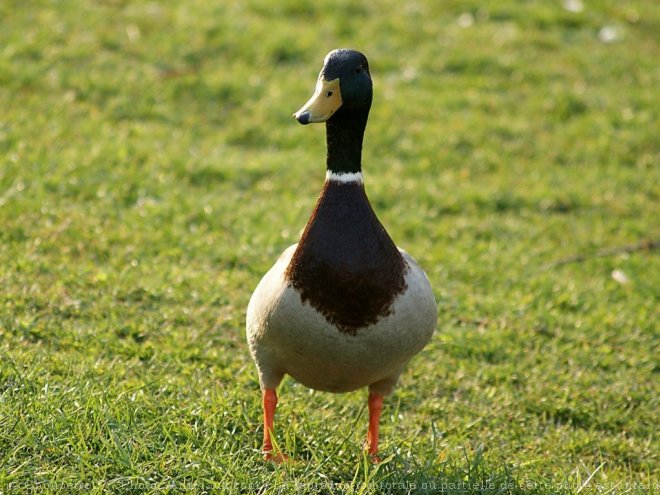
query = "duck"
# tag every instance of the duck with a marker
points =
(344, 308)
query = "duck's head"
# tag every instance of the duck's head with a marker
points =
(344, 85)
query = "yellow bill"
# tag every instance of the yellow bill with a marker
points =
(325, 101)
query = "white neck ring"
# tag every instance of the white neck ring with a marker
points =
(344, 177)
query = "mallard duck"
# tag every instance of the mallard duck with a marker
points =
(344, 308)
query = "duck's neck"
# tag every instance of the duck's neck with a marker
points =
(344, 134)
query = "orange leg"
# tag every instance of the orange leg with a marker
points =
(375, 408)
(270, 404)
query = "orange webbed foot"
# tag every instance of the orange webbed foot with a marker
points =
(276, 457)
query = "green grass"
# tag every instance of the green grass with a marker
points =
(150, 173)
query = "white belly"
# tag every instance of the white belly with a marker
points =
(288, 336)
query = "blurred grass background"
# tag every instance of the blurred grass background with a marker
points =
(150, 173)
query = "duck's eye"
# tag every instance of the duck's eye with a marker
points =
(328, 94)
(359, 69)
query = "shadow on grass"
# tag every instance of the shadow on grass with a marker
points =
(473, 474)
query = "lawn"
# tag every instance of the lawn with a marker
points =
(150, 173)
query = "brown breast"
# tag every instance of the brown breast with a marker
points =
(346, 266)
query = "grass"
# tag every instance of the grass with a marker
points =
(150, 173)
